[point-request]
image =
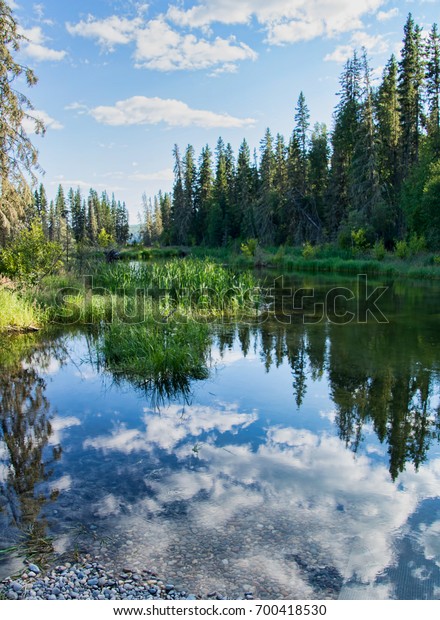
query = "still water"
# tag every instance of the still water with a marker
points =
(306, 466)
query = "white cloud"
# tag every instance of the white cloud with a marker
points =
(153, 110)
(48, 121)
(286, 21)
(160, 47)
(109, 32)
(35, 46)
(79, 108)
(384, 16)
(374, 44)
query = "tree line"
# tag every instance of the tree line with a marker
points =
(95, 220)
(378, 171)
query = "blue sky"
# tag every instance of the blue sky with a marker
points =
(120, 81)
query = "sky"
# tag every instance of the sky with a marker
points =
(122, 81)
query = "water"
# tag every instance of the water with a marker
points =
(306, 466)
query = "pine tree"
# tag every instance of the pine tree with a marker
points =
(18, 157)
(245, 194)
(203, 195)
(319, 159)
(432, 76)
(266, 203)
(178, 204)
(389, 141)
(281, 190)
(216, 218)
(92, 223)
(122, 227)
(187, 214)
(365, 192)
(347, 120)
(165, 201)
(411, 73)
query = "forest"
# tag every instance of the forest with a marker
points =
(377, 171)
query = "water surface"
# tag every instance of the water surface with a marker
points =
(306, 466)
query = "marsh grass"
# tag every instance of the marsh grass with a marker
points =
(159, 358)
(17, 313)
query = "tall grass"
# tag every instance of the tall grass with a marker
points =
(160, 358)
(18, 314)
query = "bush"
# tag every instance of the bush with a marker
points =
(308, 250)
(359, 240)
(249, 247)
(379, 250)
(417, 245)
(402, 250)
(30, 257)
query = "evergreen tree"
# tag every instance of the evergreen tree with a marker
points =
(411, 73)
(319, 158)
(18, 157)
(92, 223)
(122, 227)
(347, 120)
(165, 213)
(433, 90)
(180, 221)
(389, 140)
(245, 192)
(266, 203)
(203, 195)
(365, 189)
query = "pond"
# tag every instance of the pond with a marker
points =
(306, 466)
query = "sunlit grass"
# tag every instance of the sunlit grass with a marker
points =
(18, 314)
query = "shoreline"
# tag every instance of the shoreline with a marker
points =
(89, 579)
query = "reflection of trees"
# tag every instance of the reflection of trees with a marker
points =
(25, 430)
(378, 375)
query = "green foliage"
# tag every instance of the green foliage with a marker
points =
(164, 357)
(379, 250)
(104, 239)
(308, 250)
(30, 258)
(249, 247)
(416, 244)
(402, 249)
(359, 240)
(16, 313)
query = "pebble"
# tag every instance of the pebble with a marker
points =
(83, 580)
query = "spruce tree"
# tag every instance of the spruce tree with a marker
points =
(265, 206)
(18, 156)
(411, 73)
(432, 76)
(245, 194)
(203, 195)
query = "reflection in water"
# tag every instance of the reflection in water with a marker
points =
(25, 430)
(245, 481)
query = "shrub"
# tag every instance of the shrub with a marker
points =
(359, 240)
(308, 250)
(30, 257)
(417, 245)
(379, 250)
(402, 249)
(249, 247)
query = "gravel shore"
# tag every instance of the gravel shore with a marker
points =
(87, 579)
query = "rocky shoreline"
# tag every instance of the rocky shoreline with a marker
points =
(88, 579)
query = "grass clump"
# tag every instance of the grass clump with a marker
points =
(159, 357)
(18, 314)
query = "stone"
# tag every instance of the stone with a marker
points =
(34, 568)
